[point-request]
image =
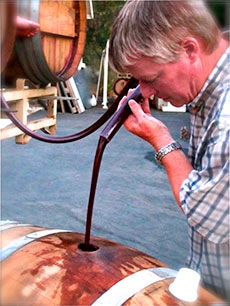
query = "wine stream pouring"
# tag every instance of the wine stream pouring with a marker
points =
(106, 135)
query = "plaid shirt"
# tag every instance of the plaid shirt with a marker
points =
(204, 194)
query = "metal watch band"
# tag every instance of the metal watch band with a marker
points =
(167, 149)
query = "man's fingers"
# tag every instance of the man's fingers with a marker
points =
(135, 108)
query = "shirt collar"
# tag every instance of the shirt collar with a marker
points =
(215, 76)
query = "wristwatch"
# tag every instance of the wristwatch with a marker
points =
(165, 150)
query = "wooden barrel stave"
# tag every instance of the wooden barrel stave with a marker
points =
(156, 294)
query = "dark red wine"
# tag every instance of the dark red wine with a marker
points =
(106, 135)
(96, 167)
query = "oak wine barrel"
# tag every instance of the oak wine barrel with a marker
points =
(54, 53)
(41, 266)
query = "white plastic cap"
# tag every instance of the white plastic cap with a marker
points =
(185, 285)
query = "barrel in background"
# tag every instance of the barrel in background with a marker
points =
(54, 53)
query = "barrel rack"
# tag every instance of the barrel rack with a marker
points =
(18, 100)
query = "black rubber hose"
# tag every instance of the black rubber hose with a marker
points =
(64, 139)
(119, 117)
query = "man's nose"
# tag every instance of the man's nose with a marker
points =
(147, 90)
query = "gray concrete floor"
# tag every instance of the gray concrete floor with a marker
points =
(48, 185)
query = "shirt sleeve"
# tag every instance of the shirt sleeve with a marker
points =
(204, 195)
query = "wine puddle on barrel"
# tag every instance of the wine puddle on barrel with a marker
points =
(106, 135)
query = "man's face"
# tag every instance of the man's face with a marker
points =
(175, 82)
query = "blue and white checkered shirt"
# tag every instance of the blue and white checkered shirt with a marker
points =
(204, 194)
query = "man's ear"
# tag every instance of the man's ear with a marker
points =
(191, 47)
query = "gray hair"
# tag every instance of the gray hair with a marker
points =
(156, 29)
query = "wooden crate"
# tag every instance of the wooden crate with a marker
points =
(18, 100)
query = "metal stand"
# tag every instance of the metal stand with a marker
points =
(104, 63)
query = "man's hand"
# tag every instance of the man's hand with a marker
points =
(144, 125)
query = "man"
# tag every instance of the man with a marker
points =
(177, 52)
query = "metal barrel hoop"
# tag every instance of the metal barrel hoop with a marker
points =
(78, 46)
